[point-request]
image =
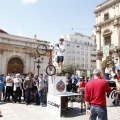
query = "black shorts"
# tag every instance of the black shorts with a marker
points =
(60, 59)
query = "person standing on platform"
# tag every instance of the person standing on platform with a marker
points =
(60, 58)
(95, 96)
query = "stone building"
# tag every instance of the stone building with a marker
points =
(108, 33)
(17, 54)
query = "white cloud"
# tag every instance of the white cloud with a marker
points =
(29, 1)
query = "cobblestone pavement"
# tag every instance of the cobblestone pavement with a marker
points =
(18, 111)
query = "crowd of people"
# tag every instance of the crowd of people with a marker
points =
(34, 88)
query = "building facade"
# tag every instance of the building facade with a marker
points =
(17, 54)
(108, 33)
(80, 51)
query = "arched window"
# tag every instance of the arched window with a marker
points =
(15, 60)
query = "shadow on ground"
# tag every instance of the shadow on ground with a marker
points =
(72, 112)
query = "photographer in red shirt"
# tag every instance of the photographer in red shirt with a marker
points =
(95, 96)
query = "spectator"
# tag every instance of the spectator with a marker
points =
(28, 85)
(107, 72)
(17, 88)
(40, 86)
(74, 82)
(68, 82)
(45, 77)
(35, 91)
(1, 85)
(95, 96)
(1, 114)
(9, 87)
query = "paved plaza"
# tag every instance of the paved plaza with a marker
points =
(31, 112)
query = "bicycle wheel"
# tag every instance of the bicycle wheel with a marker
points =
(50, 70)
(41, 49)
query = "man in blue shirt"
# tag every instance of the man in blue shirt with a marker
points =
(1, 85)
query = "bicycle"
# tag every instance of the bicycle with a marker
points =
(50, 69)
(42, 50)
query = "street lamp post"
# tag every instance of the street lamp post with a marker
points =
(38, 61)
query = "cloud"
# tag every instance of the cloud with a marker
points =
(29, 1)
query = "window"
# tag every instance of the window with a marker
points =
(86, 59)
(86, 53)
(68, 51)
(78, 52)
(106, 16)
(82, 59)
(107, 40)
(68, 44)
(94, 55)
(73, 52)
(68, 58)
(82, 47)
(73, 58)
(86, 48)
(75, 40)
(73, 45)
(82, 65)
(93, 60)
(78, 58)
(82, 53)
(86, 66)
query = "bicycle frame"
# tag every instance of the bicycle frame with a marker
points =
(50, 59)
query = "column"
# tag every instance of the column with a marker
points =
(27, 66)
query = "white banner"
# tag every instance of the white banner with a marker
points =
(106, 51)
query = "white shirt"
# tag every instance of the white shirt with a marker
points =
(9, 78)
(60, 50)
(41, 83)
(107, 70)
(17, 82)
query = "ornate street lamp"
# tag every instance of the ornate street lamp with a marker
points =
(38, 61)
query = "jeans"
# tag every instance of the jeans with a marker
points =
(9, 91)
(28, 95)
(107, 76)
(100, 112)
(41, 96)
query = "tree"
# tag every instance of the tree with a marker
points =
(69, 68)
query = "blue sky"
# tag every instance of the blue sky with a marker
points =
(48, 19)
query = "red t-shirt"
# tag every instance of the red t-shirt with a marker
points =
(118, 78)
(95, 92)
(82, 84)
